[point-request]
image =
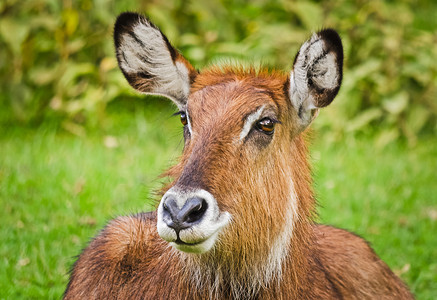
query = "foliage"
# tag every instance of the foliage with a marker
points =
(57, 57)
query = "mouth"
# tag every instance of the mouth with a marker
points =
(196, 247)
(196, 240)
(182, 243)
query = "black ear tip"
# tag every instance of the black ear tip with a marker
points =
(124, 23)
(333, 40)
(331, 35)
(127, 18)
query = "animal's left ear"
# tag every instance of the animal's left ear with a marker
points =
(316, 76)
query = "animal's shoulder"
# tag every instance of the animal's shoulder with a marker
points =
(127, 235)
(128, 247)
(327, 235)
(349, 261)
(339, 247)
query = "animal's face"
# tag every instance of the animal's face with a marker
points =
(236, 187)
(234, 132)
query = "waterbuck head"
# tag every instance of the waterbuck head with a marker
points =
(241, 190)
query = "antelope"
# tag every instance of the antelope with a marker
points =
(237, 219)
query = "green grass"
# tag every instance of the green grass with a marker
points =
(57, 190)
(388, 196)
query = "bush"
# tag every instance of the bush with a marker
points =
(57, 57)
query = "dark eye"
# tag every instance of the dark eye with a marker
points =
(184, 119)
(266, 125)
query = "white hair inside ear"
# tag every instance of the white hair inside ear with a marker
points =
(301, 99)
(316, 75)
(148, 60)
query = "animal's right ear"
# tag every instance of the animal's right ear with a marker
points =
(149, 62)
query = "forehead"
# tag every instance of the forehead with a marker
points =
(221, 90)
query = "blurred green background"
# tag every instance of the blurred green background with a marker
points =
(78, 146)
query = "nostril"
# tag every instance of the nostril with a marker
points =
(193, 210)
(197, 212)
(170, 208)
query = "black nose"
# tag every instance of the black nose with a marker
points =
(191, 212)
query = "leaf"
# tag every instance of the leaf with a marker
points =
(42, 76)
(229, 47)
(74, 128)
(74, 70)
(386, 137)
(362, 71)
(71, 20)
(75, 45)
(396, 104)
(189, 39)
(45, 21)
(196, 53)
(417, 118)
(108, 63)
(364, 119)
(13, 33)
(309, 13)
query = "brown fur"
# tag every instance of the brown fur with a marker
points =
(255, 181)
